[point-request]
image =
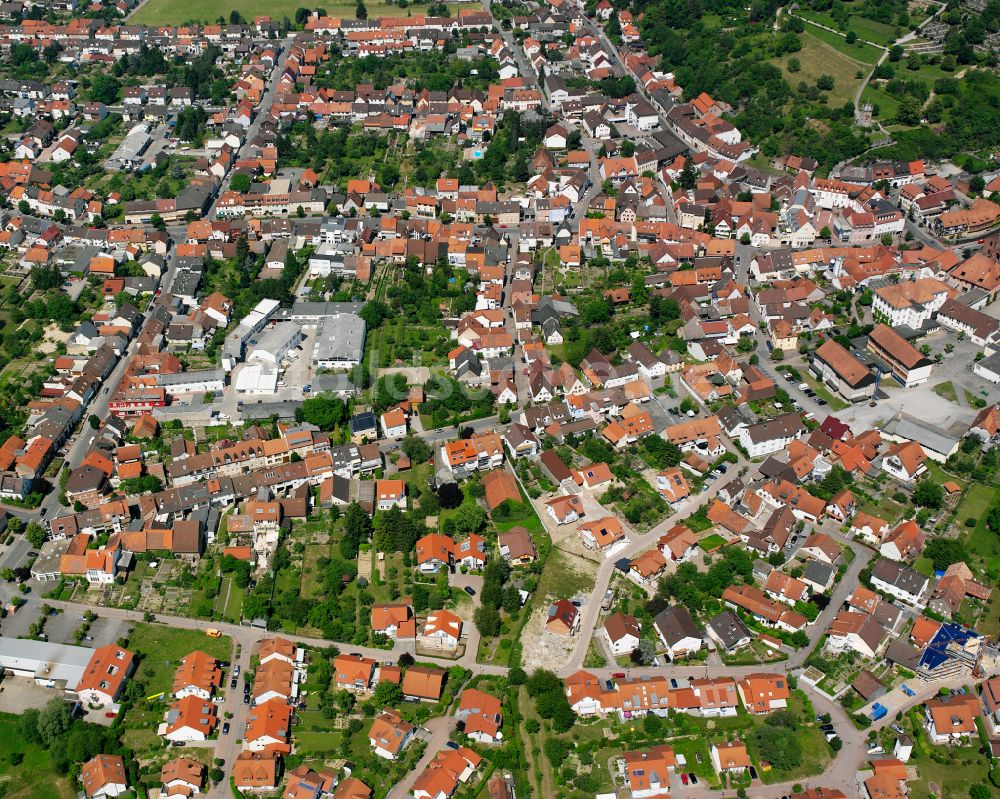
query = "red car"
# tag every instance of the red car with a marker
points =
(110, 714)
(684, 778)
(618, 675)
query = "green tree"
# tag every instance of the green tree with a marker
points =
(416, 449)
(928, 494)
(387, 694)
(54, 720)
(104, 89)
(35, 534)
(470, 518)
(325, 411)
(240, 182)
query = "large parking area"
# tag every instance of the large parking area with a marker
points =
(61, 626)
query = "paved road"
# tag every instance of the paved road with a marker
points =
(440, 729)
(250, 636)
(263, 111)
(637, 544)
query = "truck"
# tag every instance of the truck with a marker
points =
(879, 711)
(211, 632)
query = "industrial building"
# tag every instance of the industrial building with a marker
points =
(340, 341)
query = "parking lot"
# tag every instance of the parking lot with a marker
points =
(60, 627)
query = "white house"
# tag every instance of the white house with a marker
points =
(899, 581)
(621, 632)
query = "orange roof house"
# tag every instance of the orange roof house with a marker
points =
(500, 486)
(104, 775)
(198, 674)
(389, 734)
(105, 675)
(482, 715)
(255, 770)
(395, 620)
(268, 727)
(353, 672)
(423, 683)
(762, 693)
(730, 757)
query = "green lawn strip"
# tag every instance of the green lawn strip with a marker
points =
(835, 402)
(175, 12)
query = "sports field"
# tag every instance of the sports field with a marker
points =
(177, 12)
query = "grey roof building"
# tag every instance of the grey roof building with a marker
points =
(728, 631)
(340, 341)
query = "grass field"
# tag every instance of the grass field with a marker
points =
(868, 29)
(175, 12)
(33, 777)
(859, 51)
(162, 647)
(711, 542)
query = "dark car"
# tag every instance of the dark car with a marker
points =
(753, 773)
(693, 777)
(673, 683)
(452, 745)
(470, 590)
(246, 699)
(225, 728)
(232, 683)
(821, 402)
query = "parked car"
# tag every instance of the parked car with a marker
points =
(821, 402)
(684, 778)
(246, 699)
(470, 590)
(693, 777)
(753, 773)
(896, 729)
(232, 683)
(225, 728)
(907, 690)
(619, 675)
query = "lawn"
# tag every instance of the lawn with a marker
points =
(975, 504)
(946, 390)
(818, 57)
(175, 12)
(835, 403)
(565, 576)
(162, 647)
(865, 53)
(867, 29)
(712, 542)
(33, 777)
